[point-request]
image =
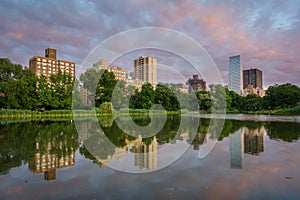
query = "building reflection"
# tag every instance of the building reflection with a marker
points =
(145, 155)
(245, 140)
(197, 140)
(254, 140)
(236, 147)
(52, 153)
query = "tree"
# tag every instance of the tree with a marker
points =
(251, 102)
(61, 86)
(119, 97)
(105, 87)
(17, 86)
(101, 85)
(281, 96)
(204, 100)
(236, 101)
(218, 98)
(166, 97)
(76, 97)
(25, 90)
(9, 73)
(143, 99)
(44, 94)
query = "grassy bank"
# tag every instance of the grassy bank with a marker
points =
(57, 114)
(69, 114)
(286, 111)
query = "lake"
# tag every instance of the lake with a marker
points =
(88, 159)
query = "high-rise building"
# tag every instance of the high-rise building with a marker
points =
(195, 84)
(252, 77)
(49, 65)
(235, 75)
(145, 69)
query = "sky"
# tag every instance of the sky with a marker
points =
(265, 33)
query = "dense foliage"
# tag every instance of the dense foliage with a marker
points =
(21, 89)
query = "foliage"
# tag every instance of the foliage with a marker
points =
(101, 85)
(143, 99)
(204, 100)
(281, 96)
(17, 86)
(251, 102)
(166, 97)
(106, 107)
(21, 89)
(219, 99)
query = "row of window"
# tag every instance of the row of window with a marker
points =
(53, 62)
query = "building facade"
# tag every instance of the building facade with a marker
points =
(252, 77)
(48, 65)
(235, 75)
(259, 91)
(145, 69)
(120, 74)
(195, 84)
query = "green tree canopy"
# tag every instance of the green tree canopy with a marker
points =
(282, 96)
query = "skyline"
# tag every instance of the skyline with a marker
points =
(264, 34)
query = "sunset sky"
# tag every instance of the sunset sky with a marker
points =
(265, 33)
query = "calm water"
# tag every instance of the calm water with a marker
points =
(51, 160)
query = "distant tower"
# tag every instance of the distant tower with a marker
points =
(252, 77)
(235, 76)
(145, 69)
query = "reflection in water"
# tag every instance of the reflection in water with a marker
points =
(254, 140)
(52, 153)
(145, 156)
(236, 147)
(144, 150)
(245, 140)
(46, 146)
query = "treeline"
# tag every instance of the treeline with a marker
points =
(277, 97)
(172, 99)
(21, 89)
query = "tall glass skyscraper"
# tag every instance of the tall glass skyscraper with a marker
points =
(235, 75)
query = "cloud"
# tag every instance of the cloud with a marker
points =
(265, 34)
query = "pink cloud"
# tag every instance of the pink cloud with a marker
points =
(18, 36)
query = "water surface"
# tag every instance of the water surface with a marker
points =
(49, 160)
